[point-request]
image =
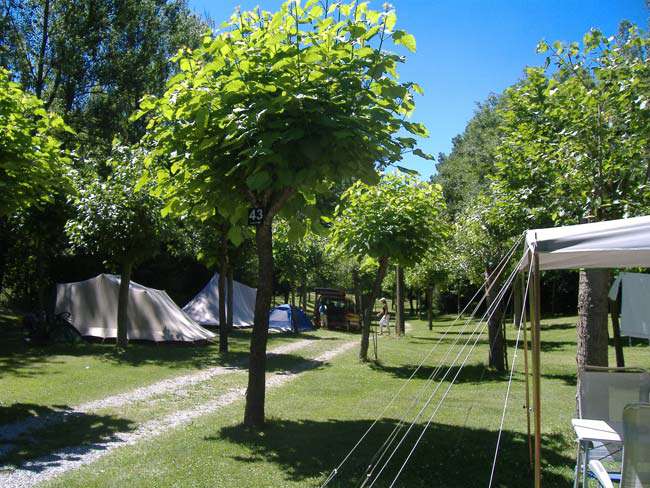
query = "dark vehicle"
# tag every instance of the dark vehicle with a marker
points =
(341, 310)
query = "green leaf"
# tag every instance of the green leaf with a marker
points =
(259, 180)
(408, 171)
(542, 47)
(235, 235)
(423, 155)
(407, 40)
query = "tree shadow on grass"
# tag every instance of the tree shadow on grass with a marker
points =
(448, 455)
(19, 360)
(569, 379)
(66, 429)
(558, 326)
(470, 373)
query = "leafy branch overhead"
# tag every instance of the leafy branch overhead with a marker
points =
(32, 161)
(277, 107)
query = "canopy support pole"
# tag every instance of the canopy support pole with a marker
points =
(520, 321)
(535, 311)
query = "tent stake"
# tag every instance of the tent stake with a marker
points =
(535, 311)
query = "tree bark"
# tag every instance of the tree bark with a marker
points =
(223, 320)
(592, 318)
(495, 331)
(376, 289)
(255, 393)
(229, 298)
(357, 290)
(40, 82)
(123, 305)
(399, 294)
(618, 346)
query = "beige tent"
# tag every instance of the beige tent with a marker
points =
(152, 314)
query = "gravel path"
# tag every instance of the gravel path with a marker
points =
(12, 431)
(48, 467)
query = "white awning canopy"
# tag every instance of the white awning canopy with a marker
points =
(619, 243)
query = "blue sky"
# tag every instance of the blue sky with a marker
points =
(467, 49)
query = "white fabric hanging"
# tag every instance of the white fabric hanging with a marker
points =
(635, 308)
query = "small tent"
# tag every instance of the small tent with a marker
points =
(204, 307)
(285, 318)
(152, 315)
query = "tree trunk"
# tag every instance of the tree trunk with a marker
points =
(376, 290)
(286, 297)
(592, 318)
(223, 320)
(399, 294)
(123, 305)
(4, 249)
(495, 332)
(357, 290)
(254, 412)
(410, 293)
(429, 307)
(229, 303)
(40, 82)
(618, 346)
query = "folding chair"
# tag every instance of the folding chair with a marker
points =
(603, 395)
(635, 472)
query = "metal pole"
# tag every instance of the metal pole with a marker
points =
(535, 311)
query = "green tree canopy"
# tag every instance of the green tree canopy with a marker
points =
(93, 61)
(274, 110)
(32, 163)
(575, 148)
(399, 219)
(115, 221)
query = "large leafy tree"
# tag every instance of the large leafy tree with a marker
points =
(93, 61)
(483, 233)
(399, 220)
(274, 110)
(575, 149)
(117, 222)
(465, 171)
(32, 162)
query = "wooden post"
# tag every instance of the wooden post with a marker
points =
(520, 299)
(535, 310)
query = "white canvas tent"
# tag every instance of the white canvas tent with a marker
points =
(152, 315)
(612, 244)
(204, 307)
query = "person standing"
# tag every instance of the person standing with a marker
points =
(384, 317)
(322, 314)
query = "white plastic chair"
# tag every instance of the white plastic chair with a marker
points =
(635, 472)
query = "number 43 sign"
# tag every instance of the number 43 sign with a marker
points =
(255, 216)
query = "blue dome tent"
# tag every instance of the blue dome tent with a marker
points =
(285, 318)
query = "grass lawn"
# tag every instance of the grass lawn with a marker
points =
(33, 380)
(315, 420)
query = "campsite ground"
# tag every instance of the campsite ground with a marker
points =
(314, 419)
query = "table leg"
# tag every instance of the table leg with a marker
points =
(576, 473)
(585, 466)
